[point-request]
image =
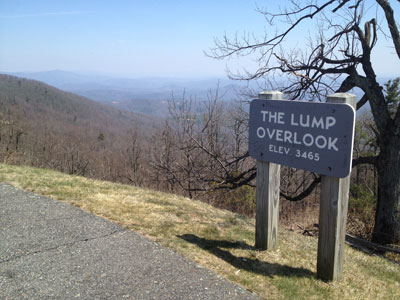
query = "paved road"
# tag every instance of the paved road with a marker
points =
(51, 250)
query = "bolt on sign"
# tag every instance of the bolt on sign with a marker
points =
(313, 136)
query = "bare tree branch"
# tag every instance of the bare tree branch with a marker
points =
(306, 192)
(394, 30)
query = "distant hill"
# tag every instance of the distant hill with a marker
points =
(44, 126)
(39, 102)
(147, 95)
(143, 95)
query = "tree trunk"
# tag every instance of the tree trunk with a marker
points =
(387, 217)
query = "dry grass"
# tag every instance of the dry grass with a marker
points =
(216, 239)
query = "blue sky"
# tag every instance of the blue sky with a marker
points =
(135, 38)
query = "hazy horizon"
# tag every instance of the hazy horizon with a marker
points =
(105, 74)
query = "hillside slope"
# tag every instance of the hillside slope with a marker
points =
(148, 95)
(44, 126)
(217, 239)
(38, 101)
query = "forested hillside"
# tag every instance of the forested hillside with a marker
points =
(146, 95)
(46, 127)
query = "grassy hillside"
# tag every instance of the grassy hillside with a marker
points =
(217, 239)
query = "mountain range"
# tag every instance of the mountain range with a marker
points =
(150, 95)
(144, 95)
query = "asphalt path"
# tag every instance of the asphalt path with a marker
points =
(52, 250)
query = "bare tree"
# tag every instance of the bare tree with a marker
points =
(202, 151)
(336, 59)
(163, 155)
(132, 160)
(11, 132)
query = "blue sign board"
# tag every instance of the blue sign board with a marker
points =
(313, 136)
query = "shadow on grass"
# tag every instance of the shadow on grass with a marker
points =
(244, 263)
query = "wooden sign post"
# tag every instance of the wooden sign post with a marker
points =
(267, 195)
(317, 137)
(333, 214)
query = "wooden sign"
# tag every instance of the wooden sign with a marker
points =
(312, 136)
